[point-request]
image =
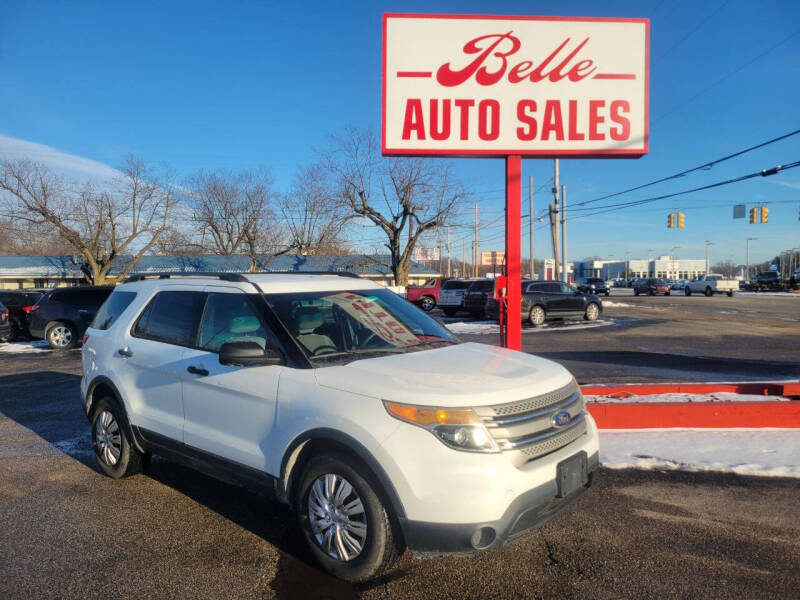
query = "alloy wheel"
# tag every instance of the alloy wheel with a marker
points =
(537, 315)
(592, 312)
(108, 443)
(427, 303)
(336, 516)
(61, 336)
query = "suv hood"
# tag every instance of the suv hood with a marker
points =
(463, 375)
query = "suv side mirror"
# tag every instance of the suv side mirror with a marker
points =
(249, 354)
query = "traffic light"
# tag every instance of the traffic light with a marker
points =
(753, 215)
(764, 214)
(670, 220)
(680, 220)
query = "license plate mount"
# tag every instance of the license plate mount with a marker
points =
(572, 473)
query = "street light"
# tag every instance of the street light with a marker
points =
(747, 256)
(627, 264)
(708, 243)
(672, 251)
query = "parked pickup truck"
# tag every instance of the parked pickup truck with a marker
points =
(426, 296)
(710, 285)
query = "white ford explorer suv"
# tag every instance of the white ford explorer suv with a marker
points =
(380, 428)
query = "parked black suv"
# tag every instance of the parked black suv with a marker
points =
(593, 285)
(62, 315)
(481, 298)
(543, 300)
(769, 280)
(19, 304)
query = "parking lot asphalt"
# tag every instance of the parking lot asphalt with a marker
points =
(675, 338)
(66, 531)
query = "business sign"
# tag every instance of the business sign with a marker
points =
(738, 211)
(425, 253)
(492, 258)
(459, 85)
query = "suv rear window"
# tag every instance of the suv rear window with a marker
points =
(456, 285)
(482, 286)
(171, 317)
(112, 308)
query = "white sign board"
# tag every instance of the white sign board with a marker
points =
(459, 85)
(425, 253)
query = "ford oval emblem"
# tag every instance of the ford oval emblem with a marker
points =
(561, 418)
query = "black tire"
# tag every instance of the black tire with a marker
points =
(130, 461)
(666, 293)
(687, 291)
(730, 294)
(380, 547)
(450, 312)
(427, 303)
(608, 294)
(16, 332)
(652, 292)
(635, 291)
(61, 336)
(709, 292)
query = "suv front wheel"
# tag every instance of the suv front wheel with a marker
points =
(343, 520)
(113, 450)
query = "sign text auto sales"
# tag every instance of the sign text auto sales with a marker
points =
(499, 86)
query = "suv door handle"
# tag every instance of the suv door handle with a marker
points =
(197, 371)
(125, 351)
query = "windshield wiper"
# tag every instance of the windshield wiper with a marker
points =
(357, 351)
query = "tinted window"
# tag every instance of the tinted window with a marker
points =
(112, 309)
(537, 287)
(230, 318)
(456, 285)
(551, 288)
(173, 318)
(567, 289)
(482, 286)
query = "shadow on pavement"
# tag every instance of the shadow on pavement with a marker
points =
(48, 404)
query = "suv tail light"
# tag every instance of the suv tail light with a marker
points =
(30, 309)
(85, 337)
(5, 313)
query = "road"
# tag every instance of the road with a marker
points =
(66, 531)
(676, 338)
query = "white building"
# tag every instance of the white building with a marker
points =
(663, 266)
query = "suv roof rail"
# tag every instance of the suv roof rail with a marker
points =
(230, 276)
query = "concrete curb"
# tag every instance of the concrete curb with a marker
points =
(702, 415)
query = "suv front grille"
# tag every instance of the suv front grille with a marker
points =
(525, 429)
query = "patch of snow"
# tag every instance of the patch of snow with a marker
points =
(25, 347)
(611, 303)
(778, 294)
(772, 453)
(679, 397)
(490, 327)
(77, 446)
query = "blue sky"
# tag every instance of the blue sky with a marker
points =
(241, 84)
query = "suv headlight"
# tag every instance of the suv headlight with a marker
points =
(459, 428)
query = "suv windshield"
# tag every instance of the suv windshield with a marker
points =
(341, 325)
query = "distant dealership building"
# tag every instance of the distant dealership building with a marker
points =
(27, 271)
(662, 266)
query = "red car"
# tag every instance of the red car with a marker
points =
(652, 287)
(426, 296)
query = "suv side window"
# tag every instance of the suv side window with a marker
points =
(112, 309)
(171, 317)
(230, 318)
(566, 289)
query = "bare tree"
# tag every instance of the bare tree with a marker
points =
(102, 225)
(233, 215)
(726, 268)
(314, 218)
(405, 197)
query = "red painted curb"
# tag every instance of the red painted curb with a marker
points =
(703, 415)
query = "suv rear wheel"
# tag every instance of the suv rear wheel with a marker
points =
(343, 520)
(61, 336)
(592, 312)
(113, 450)
(537, 316)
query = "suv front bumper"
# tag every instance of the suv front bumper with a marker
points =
(527, 512)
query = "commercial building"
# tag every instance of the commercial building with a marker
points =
(662, 266)
(19, 272)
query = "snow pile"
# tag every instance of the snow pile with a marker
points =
(679, 397)
(489, 327)
(611, 303)
(25, 347)
(765, 452)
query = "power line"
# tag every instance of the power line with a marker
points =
(703, 167)
(621, 205)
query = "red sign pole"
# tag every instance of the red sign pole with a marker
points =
(513, 261)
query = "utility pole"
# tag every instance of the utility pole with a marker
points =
(530, 219)
(564, 234)
(449, 274)
(708, 243)
(554, 220)
(475, 248)
(463, 271)
(747, 256)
